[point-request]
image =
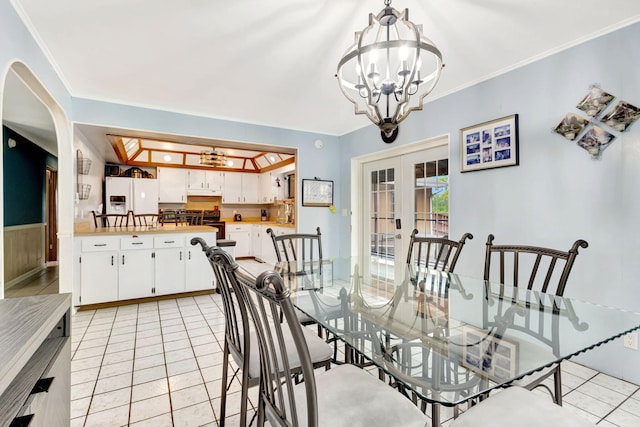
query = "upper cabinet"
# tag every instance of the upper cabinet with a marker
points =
(204, 183)
(241, 188)
(172, 185)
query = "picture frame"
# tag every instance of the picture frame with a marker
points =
(489, 145)
(595, 140)
(595, 101)
(571, 126)
(317, 192)
(621, 116)
(495, 358)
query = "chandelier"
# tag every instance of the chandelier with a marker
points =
(383, 72)
(212, 158)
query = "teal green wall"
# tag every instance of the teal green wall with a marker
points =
(24, 179)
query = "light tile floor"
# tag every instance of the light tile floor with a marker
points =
(160, 364)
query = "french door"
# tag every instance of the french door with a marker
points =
(400, 194)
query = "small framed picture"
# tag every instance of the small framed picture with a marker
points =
(492, 144)
(595, 101)
(571, 126)
(621, 116)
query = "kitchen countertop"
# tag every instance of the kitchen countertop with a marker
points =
(258, 221)
(161, 229)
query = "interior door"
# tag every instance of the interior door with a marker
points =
(400, 194)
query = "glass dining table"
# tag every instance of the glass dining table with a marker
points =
(444, 338)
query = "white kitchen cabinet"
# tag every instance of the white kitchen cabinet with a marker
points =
(98, 277)
(172, 185)
(268, 187)
(257, 231)
(232, 190)
(199, 274)
(241, 188)
(135, 274)
(204, 183)
(113, 268)
(135, 267)
(241, 233)
(169, 264)
(251, 188)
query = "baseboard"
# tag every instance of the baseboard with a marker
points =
(23, 277)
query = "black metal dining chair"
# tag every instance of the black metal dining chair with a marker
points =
(534, 268)
(438, 253)
(305, 250)
(241, 340)
(110, 220)
(342, 396)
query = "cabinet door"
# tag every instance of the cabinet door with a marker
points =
(170, 273)
(242, 236)
(172, 185)
(232, 190)
(135, 271)
(213, 182)
(195, 179)
(98, 277)
(267, 181)
(256, 241)
(250, 188)
(199, 274)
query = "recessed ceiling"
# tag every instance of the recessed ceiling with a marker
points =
(273, 63)
(144, 151)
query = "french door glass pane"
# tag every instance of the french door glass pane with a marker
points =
(382, 223)
(431, 197)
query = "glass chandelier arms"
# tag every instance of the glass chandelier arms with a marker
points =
(382, 73)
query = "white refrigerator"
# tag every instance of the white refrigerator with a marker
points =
(139, 195)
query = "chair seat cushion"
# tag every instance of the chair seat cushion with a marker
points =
(350, 397)
(319, 350)
(518, 407)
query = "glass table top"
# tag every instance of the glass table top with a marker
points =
(448, 337)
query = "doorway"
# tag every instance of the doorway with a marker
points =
(401, 190)
(51, 218)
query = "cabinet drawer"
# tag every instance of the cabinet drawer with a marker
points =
(99, 244)
(135, 243)
(168, 242)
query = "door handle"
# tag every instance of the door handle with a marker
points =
(398, 236)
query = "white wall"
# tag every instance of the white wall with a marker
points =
(557, 194)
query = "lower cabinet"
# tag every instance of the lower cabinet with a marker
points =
(98, 277)
(113, 268)
(199, 274)
(135, 274)
(242, 236)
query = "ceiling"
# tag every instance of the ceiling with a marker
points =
(273, 63)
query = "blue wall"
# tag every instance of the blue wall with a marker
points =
(24, 173)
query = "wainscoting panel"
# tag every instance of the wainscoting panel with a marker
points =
(23, 252)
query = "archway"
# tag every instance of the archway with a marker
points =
(19, 72)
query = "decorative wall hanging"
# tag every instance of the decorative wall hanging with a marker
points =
(492, 144)
(621, 116)
(571, 126)
(317, 192)
(595, 140)
(595, 101)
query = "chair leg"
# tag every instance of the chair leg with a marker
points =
(557, 383)
(225, 374)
